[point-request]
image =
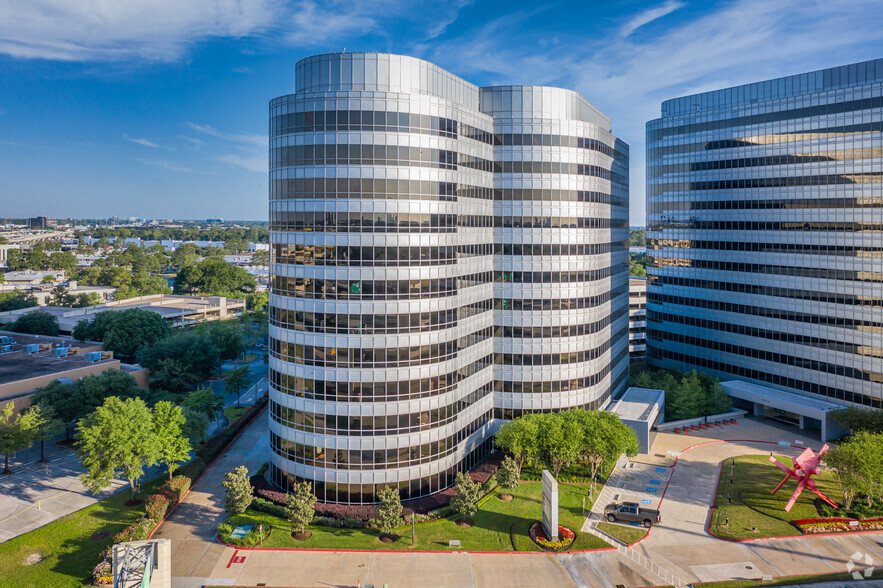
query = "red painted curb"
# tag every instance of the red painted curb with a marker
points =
(196, 481)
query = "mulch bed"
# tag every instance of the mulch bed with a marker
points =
(388, 538)
(98, 536)
(465, 523)
(505, 497)
(480, 474)
(301, 535)
(136, 502)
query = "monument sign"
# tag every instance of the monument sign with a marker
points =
(550, 506)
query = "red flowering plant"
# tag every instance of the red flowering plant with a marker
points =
(815, 526)
(566, 537)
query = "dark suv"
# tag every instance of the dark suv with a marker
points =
(631, 512)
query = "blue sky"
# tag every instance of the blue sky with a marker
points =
(159, 108)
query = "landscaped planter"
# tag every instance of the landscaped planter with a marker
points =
(815, 526)
(567, 537)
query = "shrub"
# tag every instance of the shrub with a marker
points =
(299, 509)
(389, 511)
(239, 492)
(465, 501)
(175, 489)
(261, 505)
(253, 537)
(137, 531)
(156, 507)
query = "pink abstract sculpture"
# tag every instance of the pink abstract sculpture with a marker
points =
(805, 465)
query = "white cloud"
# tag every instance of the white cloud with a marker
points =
(158, 30)
(145, 142)
(252, 147)
(649, 16)
(164, 163)
(254, 163)
(246, 138)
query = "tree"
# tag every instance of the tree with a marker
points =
(194, 350)
(168, 424)
(195, 424)
(173, 374)
(687, 395)
(239, 491)
(465, 501)
(227, 336)
(119, 435)
(605, 437)
(858, 463)
(860, 419)
(61, 260)
(185, 255)
(60, 297)
(16, 300)
(204, 400)
(507, 474)
(72, 402)
(561, 439)
(47, 425)
(260, 257)
(389, 511)
(133, 329)
(257, 301)
(520, 438)
(37, 322)
(215, 277)
(16, 433)
(237, 381)
(299, 507)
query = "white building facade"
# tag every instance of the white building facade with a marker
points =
(402, 319)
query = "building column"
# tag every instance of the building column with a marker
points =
(758, 409)
(800, 421)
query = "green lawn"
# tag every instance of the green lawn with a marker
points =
(789, 581)
(234, 412)
(65, 546)
(625, 533)
(753, 505)
(491, 531)
(248, 359)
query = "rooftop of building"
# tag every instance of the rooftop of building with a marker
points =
(17, 364)
(785, 87)
(638, 404)
(779, 396)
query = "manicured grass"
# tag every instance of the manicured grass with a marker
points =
(234, 412)
(625, 533)
(753, 505)
(68, 553)
(491, 531)
(248, 359)
(789, 581)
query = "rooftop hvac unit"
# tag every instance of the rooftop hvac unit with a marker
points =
(32, 348)
(59, 352)
(92, 356)
(6, 340)
(5, 348)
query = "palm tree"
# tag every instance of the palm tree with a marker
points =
(237, 381)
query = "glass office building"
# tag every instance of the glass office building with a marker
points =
(765, 213)
(397, 196)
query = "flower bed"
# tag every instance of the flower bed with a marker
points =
(814, 526)
(567, 538)
(103, 573)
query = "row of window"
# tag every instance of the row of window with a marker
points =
(868, 350)
(782, 182)
(559, 167)
(541, 359)
(771, 356)
(828, 297)
(758, 268)
(375, 188)
(375, 222)
(367, 493)
(655, 153)
(373, 357)
(559, 248)
(369, 426)
(379, 459)
(331, 391)
(375, 324)
(801, 317)
(375, 120)
(558, 222)
(548, 140)
(657, 171)
(553, 277)
(796, 248)
(344, 255)
(520, 332)
(546, 304)
(554, 386)
(811, 387)
(548, 195)
(765, 204)
(337, 154)
(715, 225)
(376, 289)
(767, 117)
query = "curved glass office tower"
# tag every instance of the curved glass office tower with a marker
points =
(383, 179)
(561, 244)
(766, 233)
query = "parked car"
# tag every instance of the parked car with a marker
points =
(631, 512)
